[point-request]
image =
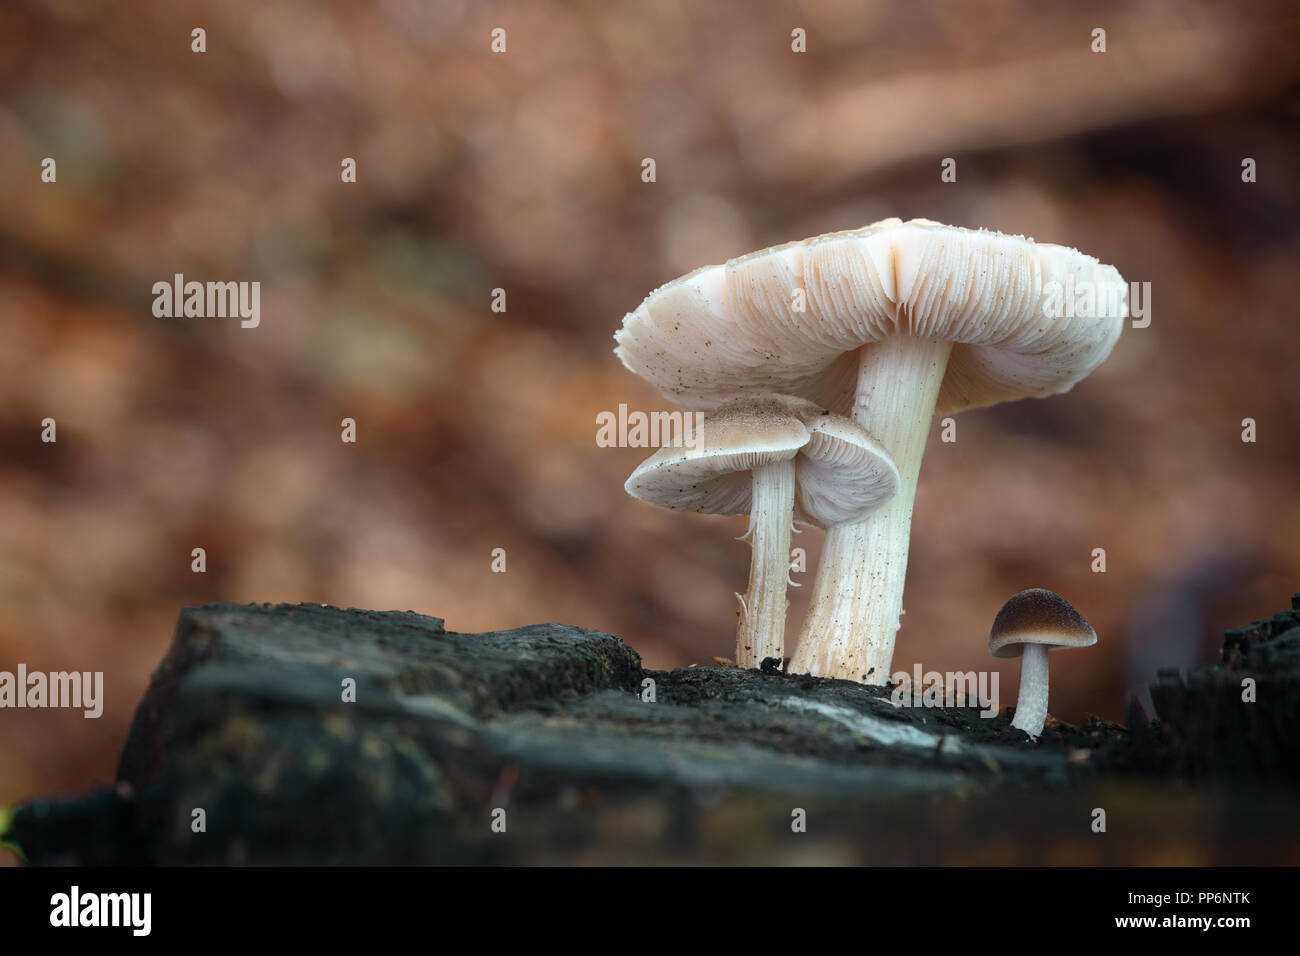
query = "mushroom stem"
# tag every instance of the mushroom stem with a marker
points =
(761, 631)
(857, 596)
(1031, 705)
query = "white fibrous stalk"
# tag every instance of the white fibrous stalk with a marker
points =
(857, 597)
(1031, 704)
(760, 633)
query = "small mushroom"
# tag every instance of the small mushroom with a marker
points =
(898, 321)
(776, 458)
(1029, 625)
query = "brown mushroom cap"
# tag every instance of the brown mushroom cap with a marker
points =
(725, 330)
(843, 472)
(1038, 616)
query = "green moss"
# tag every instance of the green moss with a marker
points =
(6, 821)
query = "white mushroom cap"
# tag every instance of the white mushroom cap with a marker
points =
(728, 329)
(843, 472)
(1038, 616)
(711, 474)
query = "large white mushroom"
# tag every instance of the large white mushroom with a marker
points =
(775, 458)
(889, 324)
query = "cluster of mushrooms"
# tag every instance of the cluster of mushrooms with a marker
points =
(819, 365)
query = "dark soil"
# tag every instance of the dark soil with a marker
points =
(588, 758)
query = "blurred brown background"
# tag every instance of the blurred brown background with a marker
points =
(522, 171)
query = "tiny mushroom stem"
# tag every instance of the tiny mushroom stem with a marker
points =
(1031, 703)
(1028, 626)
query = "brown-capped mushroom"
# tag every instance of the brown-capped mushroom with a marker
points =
(1029, 625)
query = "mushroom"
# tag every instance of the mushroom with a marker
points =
(890, 323)
(1029, 625)
(775, 458)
